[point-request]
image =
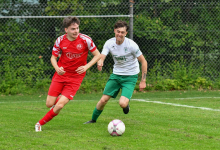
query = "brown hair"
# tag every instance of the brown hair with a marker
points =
(69, 20)
(120, 24)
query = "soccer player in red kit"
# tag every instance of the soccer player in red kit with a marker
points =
(70, 69)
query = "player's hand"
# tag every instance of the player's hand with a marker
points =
(99, 65)
(142, 85)
(60, 71)
(99, 68)
(81, 69)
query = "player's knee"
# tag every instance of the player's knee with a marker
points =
(59, 106)
(103, 101)
(123, 104)
(48, 104)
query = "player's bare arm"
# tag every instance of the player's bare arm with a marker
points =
(100, 63)
(59, 70)
(96, 57)
(143, 62)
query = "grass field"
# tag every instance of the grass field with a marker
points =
(175, 120)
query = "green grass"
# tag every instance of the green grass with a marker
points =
(149, 125)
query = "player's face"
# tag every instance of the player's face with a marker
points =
(72, 31)
(120, 34)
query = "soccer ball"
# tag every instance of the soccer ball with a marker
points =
(116, 127)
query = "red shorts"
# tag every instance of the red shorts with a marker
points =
(68, 89)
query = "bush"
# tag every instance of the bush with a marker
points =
(22, 76)
(178, 75)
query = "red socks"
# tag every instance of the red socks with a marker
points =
(47, 117)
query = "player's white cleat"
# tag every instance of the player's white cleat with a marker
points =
(37, 127)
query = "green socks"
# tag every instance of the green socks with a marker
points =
(96, 114)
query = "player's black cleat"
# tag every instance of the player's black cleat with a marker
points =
(91, 121)
(126, 109)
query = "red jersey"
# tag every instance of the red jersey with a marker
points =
(74, 54)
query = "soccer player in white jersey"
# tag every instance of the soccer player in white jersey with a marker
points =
(126, 54)
(70, 69)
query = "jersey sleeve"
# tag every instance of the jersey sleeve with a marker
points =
(135, 49)
(56, 48)
(105, 49)
(91, 45)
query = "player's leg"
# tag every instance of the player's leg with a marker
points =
(51, 101)
(60, 104)
(123, 102)
(128, 84)
(68, 90)
(111, 90)
(102, 102)
(52, 113)
(99, 108)
(58, 98)
(54, 93)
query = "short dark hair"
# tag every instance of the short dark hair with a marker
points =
(69, 20)
(120, 24)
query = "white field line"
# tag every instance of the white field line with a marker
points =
(185, 98)
(179, 105)
(194, 98)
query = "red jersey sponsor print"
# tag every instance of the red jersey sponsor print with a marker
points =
(74, 54)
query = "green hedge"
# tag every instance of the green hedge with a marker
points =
(178, 75)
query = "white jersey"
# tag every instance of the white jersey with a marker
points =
(124, 56)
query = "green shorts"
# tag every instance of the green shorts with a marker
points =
(117, 82)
